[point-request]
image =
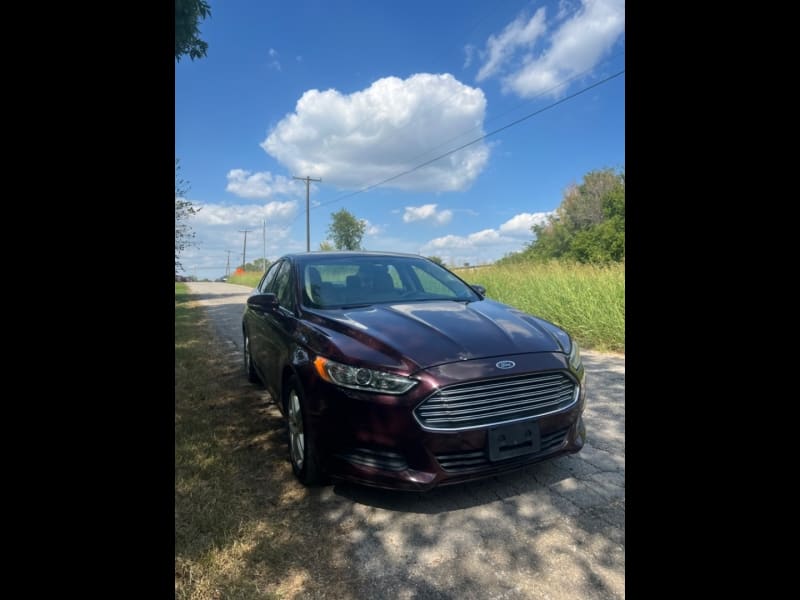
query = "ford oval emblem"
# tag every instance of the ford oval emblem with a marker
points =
(505, 364)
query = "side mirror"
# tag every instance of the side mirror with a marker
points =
(481, 291)
(266, 302)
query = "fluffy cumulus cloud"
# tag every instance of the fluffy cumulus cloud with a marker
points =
(486, 245)
(359, 139)
(427, 212)
(260, 185)
(574, 41)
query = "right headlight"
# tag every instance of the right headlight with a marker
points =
(361, 378)
(575, 356)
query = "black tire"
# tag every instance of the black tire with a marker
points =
(252, 376)
(302, 444)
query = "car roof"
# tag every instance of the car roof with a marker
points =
(349, 254)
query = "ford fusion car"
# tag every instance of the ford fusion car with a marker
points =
(393, 372)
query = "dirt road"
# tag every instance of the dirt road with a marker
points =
(551, 531)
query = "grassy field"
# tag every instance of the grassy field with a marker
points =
(587, 301)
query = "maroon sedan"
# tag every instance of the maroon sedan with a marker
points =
(395, 373)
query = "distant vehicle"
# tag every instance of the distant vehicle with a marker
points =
(221, 279)
(393, 372)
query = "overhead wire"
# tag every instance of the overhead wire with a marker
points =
(471, 142)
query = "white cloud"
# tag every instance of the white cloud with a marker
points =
(355, 140)
(517, 34)
(274, 63)
(372, 229)
(520, 225)
(486, 245)
(486, 237)
(217, 229)
(579, 40)
(469, 52)
(427, 212)
(260, 185)
(244, 214)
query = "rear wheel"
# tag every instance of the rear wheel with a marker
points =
(252, 376)
(302, 445)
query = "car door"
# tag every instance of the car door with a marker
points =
(278, 326)
(257, 324)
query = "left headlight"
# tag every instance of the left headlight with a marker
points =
(575, 356)
(361, 378)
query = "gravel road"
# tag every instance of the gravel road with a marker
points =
(555, 530)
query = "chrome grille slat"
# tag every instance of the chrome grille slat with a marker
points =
(461, 388)
(521, 393)
(489, 404)
(495, 401)
(494, 414)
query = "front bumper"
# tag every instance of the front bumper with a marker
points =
(376, 440)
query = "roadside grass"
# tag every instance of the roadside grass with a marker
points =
(250, 279)
(242, 524)
(585, 300)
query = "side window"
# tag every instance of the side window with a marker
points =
(265, 285)
(284, 286)
(432, 285)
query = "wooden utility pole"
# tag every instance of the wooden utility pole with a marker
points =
(308, 181)
(244, 248)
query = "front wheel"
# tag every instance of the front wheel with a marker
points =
(302, 445)
(252, 376)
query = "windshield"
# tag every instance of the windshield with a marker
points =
(337, 282)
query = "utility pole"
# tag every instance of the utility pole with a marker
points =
(264, 236)
(228, 265)
(244, 248)
(308, 181)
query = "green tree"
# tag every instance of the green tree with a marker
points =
(437, 260)
(183, 210)
(188, 14)
(258, 265)
(589, 225)
(346, 231)
(326, 246)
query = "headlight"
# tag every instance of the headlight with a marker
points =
(575, 356)
(360, 378)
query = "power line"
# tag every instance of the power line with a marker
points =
(494, 118)
(475, 141)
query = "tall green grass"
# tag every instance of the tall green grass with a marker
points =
(585, 300)
(250, 279)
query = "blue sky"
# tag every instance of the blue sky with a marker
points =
(356, 92)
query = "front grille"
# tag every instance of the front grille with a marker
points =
(378, 459)
(495, 401)
(456, 462)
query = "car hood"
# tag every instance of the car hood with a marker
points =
(426, 334)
